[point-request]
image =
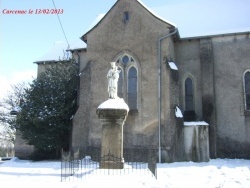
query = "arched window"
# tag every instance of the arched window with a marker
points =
(247, 90)
(189, 112)
(132, 88)
(128, 80)
(189, 95)
(120, 83)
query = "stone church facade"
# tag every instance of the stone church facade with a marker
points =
(211, 83)
(207, 78)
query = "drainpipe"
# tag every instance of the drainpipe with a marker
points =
(159, 89)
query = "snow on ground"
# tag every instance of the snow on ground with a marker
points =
(226, 173)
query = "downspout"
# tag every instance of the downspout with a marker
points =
(159, 89)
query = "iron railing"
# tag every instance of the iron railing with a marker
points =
(79, 165)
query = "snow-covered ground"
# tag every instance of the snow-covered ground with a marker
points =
(229, 173)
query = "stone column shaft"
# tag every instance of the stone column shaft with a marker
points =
(112, 121)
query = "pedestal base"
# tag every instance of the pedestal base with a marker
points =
(111, 165)
(112, 120)
(196, 139)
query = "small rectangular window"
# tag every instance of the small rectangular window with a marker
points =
(126, 17)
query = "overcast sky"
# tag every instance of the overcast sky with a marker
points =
(26, 38)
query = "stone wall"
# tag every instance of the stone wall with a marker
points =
(208, 91)
(137, 36)
(217, 64)
(231, 60)
(81, 121)
(188, 62)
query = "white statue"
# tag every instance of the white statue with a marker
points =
(113, 76)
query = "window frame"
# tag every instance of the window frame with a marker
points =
(189, 115)
(133, 62)
(122, 88)
(247, 111)
(184, 91)
(126, 17)
(127, 84)
(185, 94)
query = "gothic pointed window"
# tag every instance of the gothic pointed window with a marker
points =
(120, 83)
(189, 113)
(247, 90)
(132, 88)
(189, 96)
(128, 81)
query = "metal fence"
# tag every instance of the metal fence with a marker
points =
(77, 165)
(70, 163)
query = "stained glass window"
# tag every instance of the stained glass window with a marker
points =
(132, 88)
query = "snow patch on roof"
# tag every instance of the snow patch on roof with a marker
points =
(96, 21)
(202, 18)
(57, 52)
(101, 16)
(155, 14)
(78, 44)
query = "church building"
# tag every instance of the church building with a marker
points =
(169, 83)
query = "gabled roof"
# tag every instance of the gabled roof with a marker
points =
(196, 19)
(156, 15)
(77, 45)
(59, 51)
(55, 53)
(140, 3)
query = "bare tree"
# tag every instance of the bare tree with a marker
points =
(9, 107)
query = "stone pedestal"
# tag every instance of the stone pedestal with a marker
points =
(112, 114)
(196, 140)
